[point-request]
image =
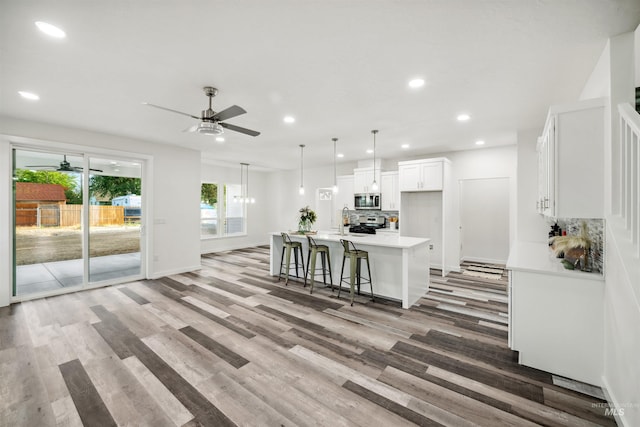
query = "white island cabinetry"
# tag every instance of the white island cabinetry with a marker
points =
(399, 264)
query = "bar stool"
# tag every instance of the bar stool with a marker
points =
(287, 246)
(355, 277)
(314, 250)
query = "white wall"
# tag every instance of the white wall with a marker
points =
(637, 55)
(174, 186)
(287, 201)
(621, 301)
(259, 219)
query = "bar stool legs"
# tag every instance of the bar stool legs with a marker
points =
(288, 245)
(355, 268)
(314, 250)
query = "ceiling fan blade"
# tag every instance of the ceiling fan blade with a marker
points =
(191, 128)
(169, 109)
(95, 170)
(42, 166)
(239, 129)
(230, 112)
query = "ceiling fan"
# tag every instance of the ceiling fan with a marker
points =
(212, 123)
(65, 166)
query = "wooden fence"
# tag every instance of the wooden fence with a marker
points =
(67, 215)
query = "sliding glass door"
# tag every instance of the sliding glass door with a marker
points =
(115, 214)
(77, 221)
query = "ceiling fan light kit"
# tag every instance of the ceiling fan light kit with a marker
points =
(210, 128)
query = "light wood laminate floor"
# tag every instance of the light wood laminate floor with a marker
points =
(230, 345)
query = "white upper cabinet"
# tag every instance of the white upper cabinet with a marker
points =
(363, 179)
(344, 196)
(421, 175)
(390, 192)
(570, 158)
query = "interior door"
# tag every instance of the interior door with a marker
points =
(484, 220)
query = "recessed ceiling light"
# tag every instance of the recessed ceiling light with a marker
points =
(416, 83)
(51, 30)
(340, 155)
(479, 142)
(29, 95)
(463, 117)
(289, 119)
(219, 139)
(369, 151)
(404, 146)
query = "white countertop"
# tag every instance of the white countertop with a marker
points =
(389, 240)
(536, 257)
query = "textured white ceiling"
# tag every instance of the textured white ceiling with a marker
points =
(340, 67)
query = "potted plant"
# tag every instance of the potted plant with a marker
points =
(306, 220)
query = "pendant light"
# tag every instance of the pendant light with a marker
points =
(335, 177)
(374, 185)
(244, 188)
(247, 198)
(301, 191)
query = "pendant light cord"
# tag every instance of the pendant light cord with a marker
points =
(374, 132)
(301, 166)
(335, 174)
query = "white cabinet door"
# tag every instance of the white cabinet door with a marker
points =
(571, 179)
(409, 177)
(546, 201)
(389, 191)
(363, 180)
(421, 176)
(344, 196)
(432, 176)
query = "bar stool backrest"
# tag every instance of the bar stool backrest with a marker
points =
(286, 238)
(348, 246)
(312, 241)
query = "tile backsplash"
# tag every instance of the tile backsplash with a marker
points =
(595, 233)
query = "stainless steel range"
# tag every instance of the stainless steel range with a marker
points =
(368, 224)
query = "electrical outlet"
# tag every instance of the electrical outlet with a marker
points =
(430, 247)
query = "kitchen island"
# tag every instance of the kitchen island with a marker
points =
(399, 264)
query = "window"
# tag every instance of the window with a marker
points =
(221, 213)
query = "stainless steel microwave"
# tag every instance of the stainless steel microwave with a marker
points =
(366, 201)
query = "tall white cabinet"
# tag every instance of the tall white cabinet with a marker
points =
(389, 191)
(427, 209)
(570, 166)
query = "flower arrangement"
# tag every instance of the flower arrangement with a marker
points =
(307, 218)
